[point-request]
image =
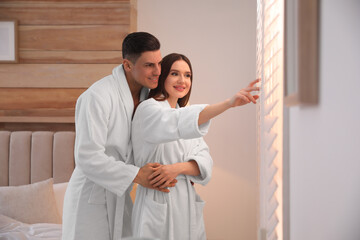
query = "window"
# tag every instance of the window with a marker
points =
(270, 34)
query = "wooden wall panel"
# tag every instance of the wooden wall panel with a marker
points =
(38, 112)
(67, 13)
(38, 104)
(38, 98)
(73, 38)
(133, 15)
(37, 126)
(70, 57)
(58, 1)
(52, 75)
(33, 119)
(64, 47)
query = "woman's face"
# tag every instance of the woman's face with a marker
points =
(178, 82)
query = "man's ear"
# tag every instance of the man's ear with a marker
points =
(127, 65)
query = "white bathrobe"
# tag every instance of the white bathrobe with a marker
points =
(97, 202)
(166, 135)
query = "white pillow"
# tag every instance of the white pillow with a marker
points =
(32, 203)
(59, 191)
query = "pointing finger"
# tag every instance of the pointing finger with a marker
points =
(254, 82)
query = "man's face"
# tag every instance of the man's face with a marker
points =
(147, 69)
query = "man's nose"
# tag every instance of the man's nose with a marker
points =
(157, 70)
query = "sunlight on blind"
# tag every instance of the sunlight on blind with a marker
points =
(270, 121)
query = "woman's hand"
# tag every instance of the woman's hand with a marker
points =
(244, 95)
(241, 98)
(164, 176)
(143, 177)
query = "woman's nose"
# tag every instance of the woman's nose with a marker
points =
(181, 79)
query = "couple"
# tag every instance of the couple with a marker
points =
(156, 143)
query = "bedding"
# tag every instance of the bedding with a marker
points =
(32, 203)
(10, 229)
(59, 192)
(32, 212)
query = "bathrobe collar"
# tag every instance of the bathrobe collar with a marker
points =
(125, 93)
(116, 203)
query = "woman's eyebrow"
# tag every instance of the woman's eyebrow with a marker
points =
(175, 70)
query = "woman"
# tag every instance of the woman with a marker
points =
(167, 132)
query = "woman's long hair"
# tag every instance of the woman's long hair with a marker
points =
(159, 93)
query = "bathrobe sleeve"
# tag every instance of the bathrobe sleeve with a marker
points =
(199, 152)
(92, 113)
(160, 125)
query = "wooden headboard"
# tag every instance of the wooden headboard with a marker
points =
(27, 157)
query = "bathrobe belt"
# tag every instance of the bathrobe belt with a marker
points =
(116, 204)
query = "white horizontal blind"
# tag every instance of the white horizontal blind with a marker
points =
(270, 120)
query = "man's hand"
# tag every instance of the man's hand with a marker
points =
(164, 176)
(145, 172)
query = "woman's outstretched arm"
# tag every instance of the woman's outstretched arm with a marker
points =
(242, 97)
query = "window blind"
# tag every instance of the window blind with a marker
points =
(270, 117)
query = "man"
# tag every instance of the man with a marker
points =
(97, 203)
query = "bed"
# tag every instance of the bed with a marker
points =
(35, 167)
(34, 170)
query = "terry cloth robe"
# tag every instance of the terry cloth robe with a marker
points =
(97, 202)
(166, 135)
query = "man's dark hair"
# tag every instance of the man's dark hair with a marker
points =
(136, 43)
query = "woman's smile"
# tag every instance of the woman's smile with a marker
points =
(180, 88)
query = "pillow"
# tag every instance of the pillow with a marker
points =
(33, 203)
(59, 191)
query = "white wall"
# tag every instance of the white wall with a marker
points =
(325, 140)
(219, 37)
